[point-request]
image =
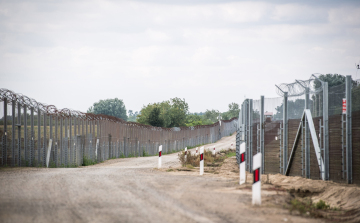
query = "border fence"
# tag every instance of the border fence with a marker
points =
(31, 131)
(311, 130)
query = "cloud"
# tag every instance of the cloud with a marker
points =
(209, 52)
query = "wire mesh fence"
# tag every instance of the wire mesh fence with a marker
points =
(312, 130)
(32, 131)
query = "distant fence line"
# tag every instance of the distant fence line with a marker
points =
(26, 127)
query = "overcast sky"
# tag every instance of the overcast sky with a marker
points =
(74, 53)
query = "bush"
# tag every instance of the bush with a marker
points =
(194, 159)
(88, 162)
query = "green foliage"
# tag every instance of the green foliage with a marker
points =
(52, 164)
(113, 107)
(307, 206)
(167, 114)
(233, 111)
(145, 153)
(87, 161)
(331, 79)
(355, 99)
(211, 115)
(231, 154)
(321, 205)
(154, 117)
(195, 119)
(295, 109)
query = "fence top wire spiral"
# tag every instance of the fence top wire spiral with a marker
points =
(298, 87)
(51, 110)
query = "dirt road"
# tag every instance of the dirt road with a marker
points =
(131, 190)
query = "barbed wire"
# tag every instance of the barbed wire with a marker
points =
(51, 110)
(298, 87)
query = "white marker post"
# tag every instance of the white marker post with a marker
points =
(242, 163)
(256, 187)
(196, 150)
(48, 153)
(214, 151)
(96, 148)
(202, 160)
(185, 153)
(160, 149)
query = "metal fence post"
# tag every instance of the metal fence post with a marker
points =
(26, 155)
(71, 161)
(285, 132)
(4, 159)
(44, 148)
(61, 142)
(250, 135)
(19, 134)
(262, 128)
(348, 131)
(307, 137)
(56, 142)
(66, 143)
(326, 130)
(32, 135)
(13, 134)
(39, 137)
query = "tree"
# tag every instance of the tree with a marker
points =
(195, 119)
(113, 107)
(132, 116)
(295, 109)
(154, 117)
(172, 113)
(212, 115)
(232, 112)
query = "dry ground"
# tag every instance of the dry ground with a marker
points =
(133, 190)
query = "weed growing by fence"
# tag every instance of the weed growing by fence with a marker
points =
(306, 206)
(88, 162)
(193, 160)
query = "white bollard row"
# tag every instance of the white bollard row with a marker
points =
(202, 160)
(256, 187)
(160, 149)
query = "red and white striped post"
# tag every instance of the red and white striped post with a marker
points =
(214, 151)
(256, 187)
(160, 149)
(242, 163)
(185, 153)
(202, 160)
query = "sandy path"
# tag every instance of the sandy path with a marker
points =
(128, 190)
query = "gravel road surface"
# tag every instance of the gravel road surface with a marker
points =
(129, 190)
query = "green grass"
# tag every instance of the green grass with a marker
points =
(88, 162)
(306, 206)
(231, 154)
